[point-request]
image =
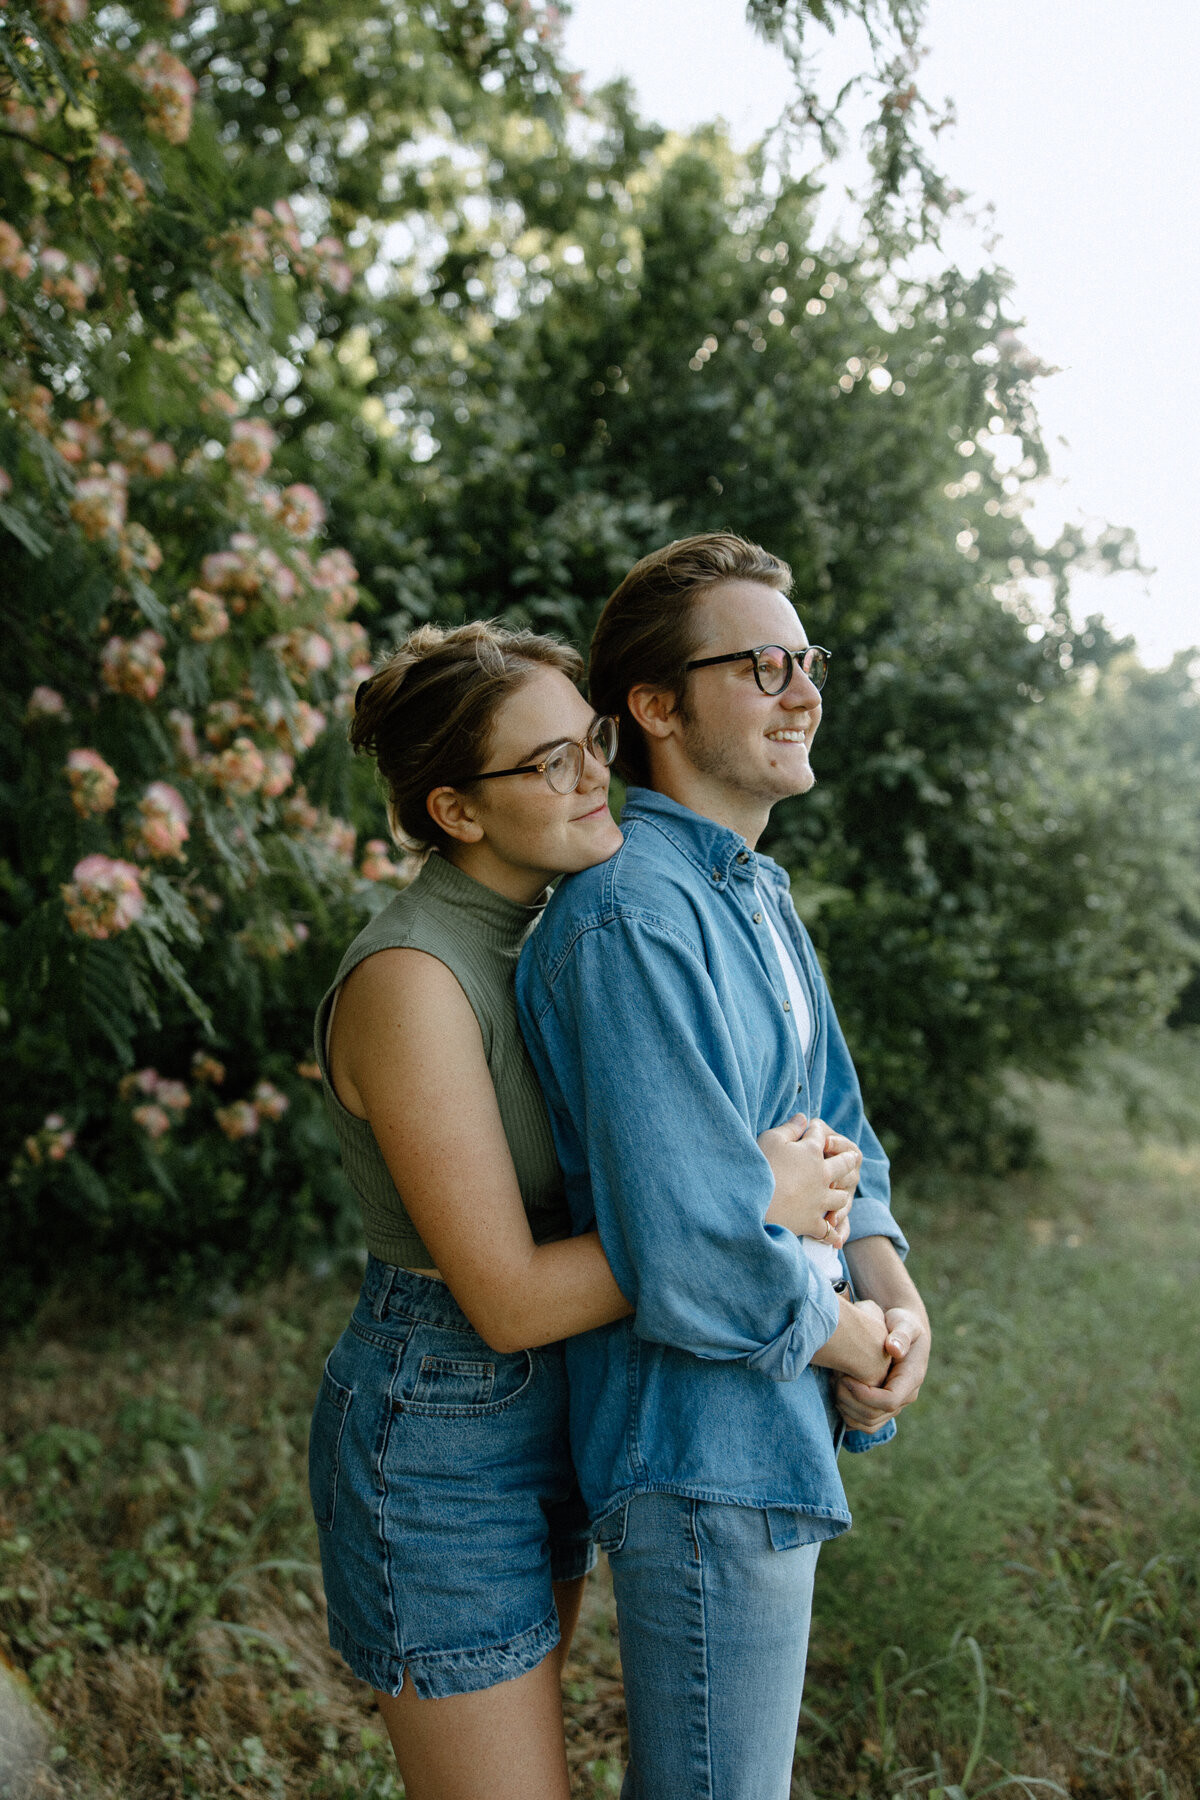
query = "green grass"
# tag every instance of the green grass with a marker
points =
(1015, 1611)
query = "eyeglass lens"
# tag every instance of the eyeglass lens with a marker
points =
(564, 767)
(773, 667)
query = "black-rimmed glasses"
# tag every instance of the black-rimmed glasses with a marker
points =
(562, 767)
(773, 665)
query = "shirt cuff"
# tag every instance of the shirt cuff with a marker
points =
(873, 1218)
(813, 1323)
(858, 1441)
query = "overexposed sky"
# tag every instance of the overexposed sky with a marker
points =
(1078, 123)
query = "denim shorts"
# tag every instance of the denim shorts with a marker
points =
(444, 1493)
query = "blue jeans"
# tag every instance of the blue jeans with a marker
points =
(713, 1610)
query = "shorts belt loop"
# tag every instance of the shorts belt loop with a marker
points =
(383, 1295)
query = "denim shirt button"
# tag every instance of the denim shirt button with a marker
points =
(758, 918)
(716, 874)
(787, 1006)
(743, 857)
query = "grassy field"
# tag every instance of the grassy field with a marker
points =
(1017, 1609)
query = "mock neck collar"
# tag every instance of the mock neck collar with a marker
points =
(501, 921)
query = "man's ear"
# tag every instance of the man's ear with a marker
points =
(454, 813)
(655, 709)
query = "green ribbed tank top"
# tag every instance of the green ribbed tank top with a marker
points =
(478, 935)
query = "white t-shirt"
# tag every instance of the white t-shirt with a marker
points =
(824, 1256)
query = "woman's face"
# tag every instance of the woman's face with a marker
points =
(530, 830)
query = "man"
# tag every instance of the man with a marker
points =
(674, 1008)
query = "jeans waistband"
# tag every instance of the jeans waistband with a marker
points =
(386, 1289)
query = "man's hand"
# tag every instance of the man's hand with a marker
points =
(867, 1408)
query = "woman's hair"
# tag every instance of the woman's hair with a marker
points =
(426, 714)
(647, 629)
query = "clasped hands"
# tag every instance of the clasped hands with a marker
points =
(879, 1356)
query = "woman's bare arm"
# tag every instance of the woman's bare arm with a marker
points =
(406, 1053)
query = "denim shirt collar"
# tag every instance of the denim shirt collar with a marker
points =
(720, 853)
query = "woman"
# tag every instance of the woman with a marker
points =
(453, 1541)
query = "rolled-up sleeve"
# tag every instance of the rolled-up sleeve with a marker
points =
(650, 1113)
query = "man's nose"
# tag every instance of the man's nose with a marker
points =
(802, 690)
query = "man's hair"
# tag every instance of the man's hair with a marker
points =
(647, 630)
(426, 714)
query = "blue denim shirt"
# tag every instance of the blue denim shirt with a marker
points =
(652, 1002)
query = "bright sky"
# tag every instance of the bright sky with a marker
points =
(1078, 124)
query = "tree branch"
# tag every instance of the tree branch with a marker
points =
(72, 162)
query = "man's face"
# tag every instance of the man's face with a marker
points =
(751, 747)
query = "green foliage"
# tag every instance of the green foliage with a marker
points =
(1017, 1610)
(516, 340)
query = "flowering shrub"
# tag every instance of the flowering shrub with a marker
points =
(182, 667)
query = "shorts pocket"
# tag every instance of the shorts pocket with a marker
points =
(325, 1447)
(610, 1532)
(452, 1386)
(444, 1382)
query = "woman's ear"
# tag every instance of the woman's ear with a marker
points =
(454, 813)
(653, 708)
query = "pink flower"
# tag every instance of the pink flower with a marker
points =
(14, 257)
(138, 550)
(222, 718)
(279, 768)
(103, 897)
(269, 1103)
(305, 653)
(98, 507)
(183, 730)
(94, 783)
(53, 1141)
(158, 459)
(65, 12)
(228, 572)
(33, 405)
(141, 1081)
(299, 813)
(350, 640)
(298, 730)
(111, 163)
(173, 1096)
(377, 865)
(133, 666)
(163, 829)
(46, 703)
(209, 618)
(301, 510)
(271, 936)
(252, 443)
(240, 770)
(331, 265)
(170, 87)
(338, 837)
(207, 1069)
(237, 1121)
(153, 1119)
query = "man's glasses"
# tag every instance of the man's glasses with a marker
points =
(563, 765)
(773, 665)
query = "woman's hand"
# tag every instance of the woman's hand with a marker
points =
(816, 1173)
